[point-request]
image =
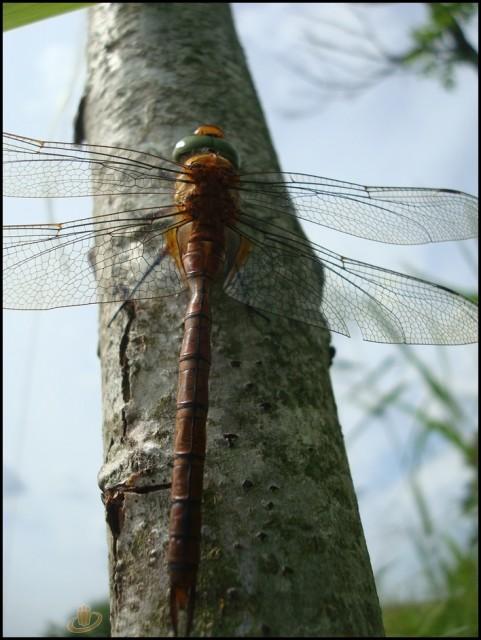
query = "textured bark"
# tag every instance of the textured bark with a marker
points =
(283, 551)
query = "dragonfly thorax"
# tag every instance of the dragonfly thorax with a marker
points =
(206, 189)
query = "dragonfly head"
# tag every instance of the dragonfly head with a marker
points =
(206, 138)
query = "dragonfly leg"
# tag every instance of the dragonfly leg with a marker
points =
(124, 304)
(131, 293)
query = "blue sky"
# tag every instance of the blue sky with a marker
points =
(407, 131)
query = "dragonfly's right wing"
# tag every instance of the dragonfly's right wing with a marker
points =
(86, 262)
(396, 215)
(286, 275)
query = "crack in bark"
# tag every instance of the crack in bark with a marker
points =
(125, 487)
(113, 500)
(123, 358)
(148, 488)
(79, 122)
(124, 424)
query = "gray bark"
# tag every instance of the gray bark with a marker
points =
(283, 552)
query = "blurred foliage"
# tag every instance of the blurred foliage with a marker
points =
(440, 44)
(453, 615)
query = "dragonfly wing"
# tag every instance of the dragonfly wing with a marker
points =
(288, 276)
(269, 280)
(40, 169)
(395, 215)
(80, 262)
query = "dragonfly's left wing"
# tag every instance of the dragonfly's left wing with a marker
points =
(44, 169)
(396, 215)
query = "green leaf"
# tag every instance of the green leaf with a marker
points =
(19, 14)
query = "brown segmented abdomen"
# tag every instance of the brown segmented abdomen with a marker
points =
(203, 198)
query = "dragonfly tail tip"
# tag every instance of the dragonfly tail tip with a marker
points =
(182, 599)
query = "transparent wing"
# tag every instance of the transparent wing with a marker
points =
(85, 262)
(123, 255)
(395, 215)
(286, 275)
(39, 169)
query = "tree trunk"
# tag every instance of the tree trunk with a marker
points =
(283, 552)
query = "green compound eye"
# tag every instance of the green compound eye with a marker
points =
(196, 143)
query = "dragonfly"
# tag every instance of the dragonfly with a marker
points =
(213, 224)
